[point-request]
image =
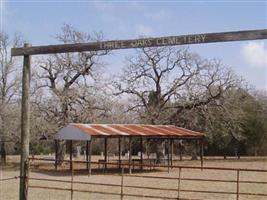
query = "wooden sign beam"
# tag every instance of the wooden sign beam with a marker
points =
(143, 42)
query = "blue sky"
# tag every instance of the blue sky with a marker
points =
(39, 20)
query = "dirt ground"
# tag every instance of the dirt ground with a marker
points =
(9, 189)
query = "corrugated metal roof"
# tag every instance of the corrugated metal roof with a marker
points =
(112, 130)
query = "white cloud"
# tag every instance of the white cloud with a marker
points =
(144, 30)
(254, 53)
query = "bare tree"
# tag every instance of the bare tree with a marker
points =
(9, 87)
(165, 82)
(70, 79)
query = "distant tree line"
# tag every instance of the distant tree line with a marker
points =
(166, 85)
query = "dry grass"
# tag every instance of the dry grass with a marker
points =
(9, 189)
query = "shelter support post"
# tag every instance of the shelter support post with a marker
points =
(147, 148)
(71, 166)
(195, 153)
(201, 151)
(130, 155)
(106, 152)
(171, 152)
(25, 124)
(56, 154)
(168, 156)
(119, 152)
(141, 146)
(90, 143)
(180, 151)
(147, 152)
(87, 154)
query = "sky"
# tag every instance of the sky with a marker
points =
(39, 20)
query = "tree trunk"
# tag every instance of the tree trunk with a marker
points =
(159, 148)
(255, 151)
(61, 152)
(3, 153)
(194, 150)
(62, 144)
(194, 155)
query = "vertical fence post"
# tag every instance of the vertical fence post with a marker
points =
(122, 173)
(237, 185)
(179, 182)
(25, 124)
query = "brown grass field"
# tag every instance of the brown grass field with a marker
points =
(9, 189)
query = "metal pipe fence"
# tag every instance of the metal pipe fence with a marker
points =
(122, 185)
(9, 178)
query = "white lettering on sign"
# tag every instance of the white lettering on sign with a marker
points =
(154, 42)
(112, 45)
(141, 43)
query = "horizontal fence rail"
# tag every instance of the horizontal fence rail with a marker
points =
(179, 180)
(159, 166)
(9, 178)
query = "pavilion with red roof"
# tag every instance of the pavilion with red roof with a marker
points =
(87, 132)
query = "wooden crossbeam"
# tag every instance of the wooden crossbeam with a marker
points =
(143, 42)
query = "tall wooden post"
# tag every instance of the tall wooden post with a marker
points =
(25, 124)
(130, 154)
(106, 152)
(141, 144)
(119, 152)
(71, 166)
